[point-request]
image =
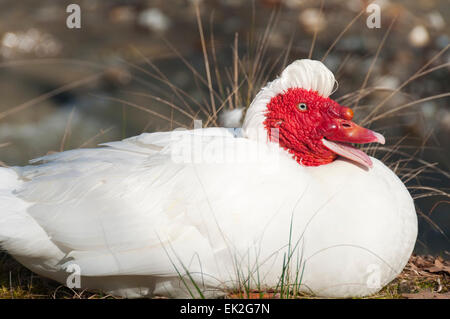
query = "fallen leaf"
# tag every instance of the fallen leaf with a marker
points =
(439, 266)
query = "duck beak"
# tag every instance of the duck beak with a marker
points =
(341, 132)
(348, 132)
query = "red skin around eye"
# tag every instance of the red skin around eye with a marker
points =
(300, 132)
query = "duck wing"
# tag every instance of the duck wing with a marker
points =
(120, 209)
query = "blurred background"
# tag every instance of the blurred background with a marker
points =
(119, 74)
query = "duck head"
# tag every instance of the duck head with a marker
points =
(307, 123)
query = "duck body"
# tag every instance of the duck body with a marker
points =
(139, 220)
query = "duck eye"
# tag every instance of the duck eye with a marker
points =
(302, 107)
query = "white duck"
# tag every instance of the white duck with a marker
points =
(161, 213)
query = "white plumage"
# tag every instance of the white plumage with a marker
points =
(136, 217)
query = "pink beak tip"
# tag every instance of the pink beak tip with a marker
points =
(380, 138)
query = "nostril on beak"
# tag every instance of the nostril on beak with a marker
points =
(346, 125)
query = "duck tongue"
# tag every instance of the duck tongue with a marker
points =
(349, 152)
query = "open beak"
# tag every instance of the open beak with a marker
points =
(340, 133)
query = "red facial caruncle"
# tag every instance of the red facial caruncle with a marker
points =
(315, 129)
